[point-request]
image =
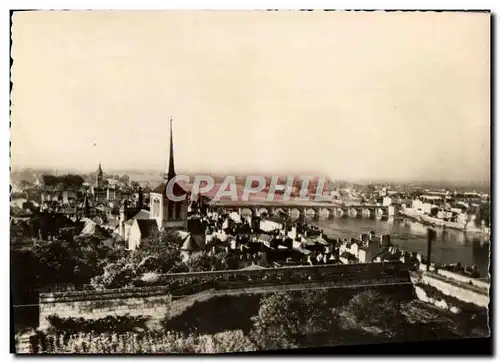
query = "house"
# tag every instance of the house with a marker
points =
(140, 230)
(389, 255)
(386, 201)
(68, 196)
(127, 218)
(235, 217)
(347, 258)
(111, 194)
(354, 248)
(264, 238)
(271, 224)
(444, 214)
(368, 251)
(385, 240)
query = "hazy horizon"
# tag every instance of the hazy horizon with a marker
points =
(353, 96)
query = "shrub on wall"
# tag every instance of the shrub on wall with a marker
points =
(118, 324)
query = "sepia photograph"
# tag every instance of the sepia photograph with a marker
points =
(227, 181)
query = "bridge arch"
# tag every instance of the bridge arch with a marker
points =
(294, 213)
(247, 212)
(353, 212)
(324, 212)
(310, 212)
(278, 211)
(263, 211)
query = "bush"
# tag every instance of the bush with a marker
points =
(117, 324)
(139, 343)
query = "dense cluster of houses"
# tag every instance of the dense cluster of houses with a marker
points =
(272, 242)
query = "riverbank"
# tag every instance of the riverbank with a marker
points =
(449, 247)
(439, 223)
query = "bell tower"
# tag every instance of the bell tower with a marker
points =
(99, 176)
(167, 212)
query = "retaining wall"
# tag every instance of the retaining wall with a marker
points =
(150, 302)
(156, 302)
(465, 293)
(465, 279)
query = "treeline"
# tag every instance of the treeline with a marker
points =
(68, 180)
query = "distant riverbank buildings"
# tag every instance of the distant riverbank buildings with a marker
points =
(457, 207)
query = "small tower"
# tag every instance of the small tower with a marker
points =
(99, 176)
(140, 198)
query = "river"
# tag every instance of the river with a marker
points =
(450, 246)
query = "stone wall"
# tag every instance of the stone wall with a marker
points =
(180, 291)
(442, 304)
(343, 273)
(465, 279)
(469, 294)
(178, 306)
(153, 303)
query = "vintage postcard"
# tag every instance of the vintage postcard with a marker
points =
(241, 181)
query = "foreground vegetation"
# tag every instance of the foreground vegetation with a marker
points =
(283, 321)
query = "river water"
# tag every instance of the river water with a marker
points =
(450, 246)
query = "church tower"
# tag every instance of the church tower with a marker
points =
(99, 176)
(171, 168)
(169, 213)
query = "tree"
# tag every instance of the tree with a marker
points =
(49, 180)
(291, 320)
(124, 178)
(201, 261)
(55, 263)
(161, 246)
(116, 275)
(372, 311)
(483, 213)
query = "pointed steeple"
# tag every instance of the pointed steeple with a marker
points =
(171, 167)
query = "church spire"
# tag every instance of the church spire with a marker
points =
(171, 168)
(99, 176)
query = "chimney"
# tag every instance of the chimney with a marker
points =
(431, 234)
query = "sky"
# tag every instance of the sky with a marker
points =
(350, 95)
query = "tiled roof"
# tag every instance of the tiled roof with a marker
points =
(142, 214)
(265, 237)
(190, 244)
(180, 188)
(147, 227)
(348, 255)
(159, 189)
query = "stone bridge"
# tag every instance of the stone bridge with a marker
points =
(304, 208)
